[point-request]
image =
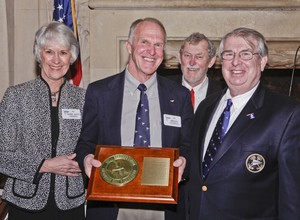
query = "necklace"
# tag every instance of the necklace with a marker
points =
(53, 96)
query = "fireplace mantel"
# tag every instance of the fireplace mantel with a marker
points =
(194, 4)
(110, 21)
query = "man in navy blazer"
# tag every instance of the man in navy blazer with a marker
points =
(255, 173)
(109, 118)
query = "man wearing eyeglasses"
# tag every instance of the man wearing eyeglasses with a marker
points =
(246, 142)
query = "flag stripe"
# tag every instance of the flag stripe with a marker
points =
(64, 11)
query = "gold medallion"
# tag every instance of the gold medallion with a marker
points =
(119, 169)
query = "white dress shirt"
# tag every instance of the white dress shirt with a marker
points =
(238, 103)
(200, 91)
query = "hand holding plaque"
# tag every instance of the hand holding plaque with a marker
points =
(136, 174)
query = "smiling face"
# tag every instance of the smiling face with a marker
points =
(55, 62)
(146, 50)
(195, 61)
(240, 75)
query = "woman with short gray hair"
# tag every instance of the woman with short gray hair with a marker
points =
(40, 121)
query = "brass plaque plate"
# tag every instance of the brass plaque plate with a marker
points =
(156, 171)
(134, 174)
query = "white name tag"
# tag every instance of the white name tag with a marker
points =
(71, 114)
(172, 120)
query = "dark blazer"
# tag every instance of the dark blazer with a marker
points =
(269, 125)
(214, 86)
(102, 125)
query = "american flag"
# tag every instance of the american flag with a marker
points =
(64, 12)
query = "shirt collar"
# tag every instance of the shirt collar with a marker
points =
(133, 83)
(240, 100)
(196, 88)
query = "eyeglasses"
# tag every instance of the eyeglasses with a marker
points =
(243, 55)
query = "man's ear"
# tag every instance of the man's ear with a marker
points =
(263, 63)
(179, 57)
(212, 61)
(128, 47)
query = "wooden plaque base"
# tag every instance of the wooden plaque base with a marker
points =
(141, 188)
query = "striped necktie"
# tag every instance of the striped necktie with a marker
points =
(216, 138)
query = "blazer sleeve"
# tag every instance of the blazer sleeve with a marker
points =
(185, 133)
(88, 136)
(14, 161)
(289, 169)
(186, 120)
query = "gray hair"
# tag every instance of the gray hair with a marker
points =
(149, 19)
(248, 35)
(194, 39)
(55, 32)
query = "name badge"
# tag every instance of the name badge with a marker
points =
(71, 114)
(172, 120)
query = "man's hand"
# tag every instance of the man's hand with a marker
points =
(180, 163)
(90, 162)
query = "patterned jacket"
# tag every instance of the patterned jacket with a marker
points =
(25, 142)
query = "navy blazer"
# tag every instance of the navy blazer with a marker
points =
(269, 125)
(102, 120)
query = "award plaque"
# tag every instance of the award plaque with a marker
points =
(134, 174)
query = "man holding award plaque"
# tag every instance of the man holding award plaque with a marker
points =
(136, 108)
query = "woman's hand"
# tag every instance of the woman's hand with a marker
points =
(61, 165)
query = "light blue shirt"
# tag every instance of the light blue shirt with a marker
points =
(131, 98)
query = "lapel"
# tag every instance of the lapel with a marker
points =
(113, 100)
(242, 123)
(167, 102)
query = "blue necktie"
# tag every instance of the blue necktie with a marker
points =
(216, 138)
(142, 124)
